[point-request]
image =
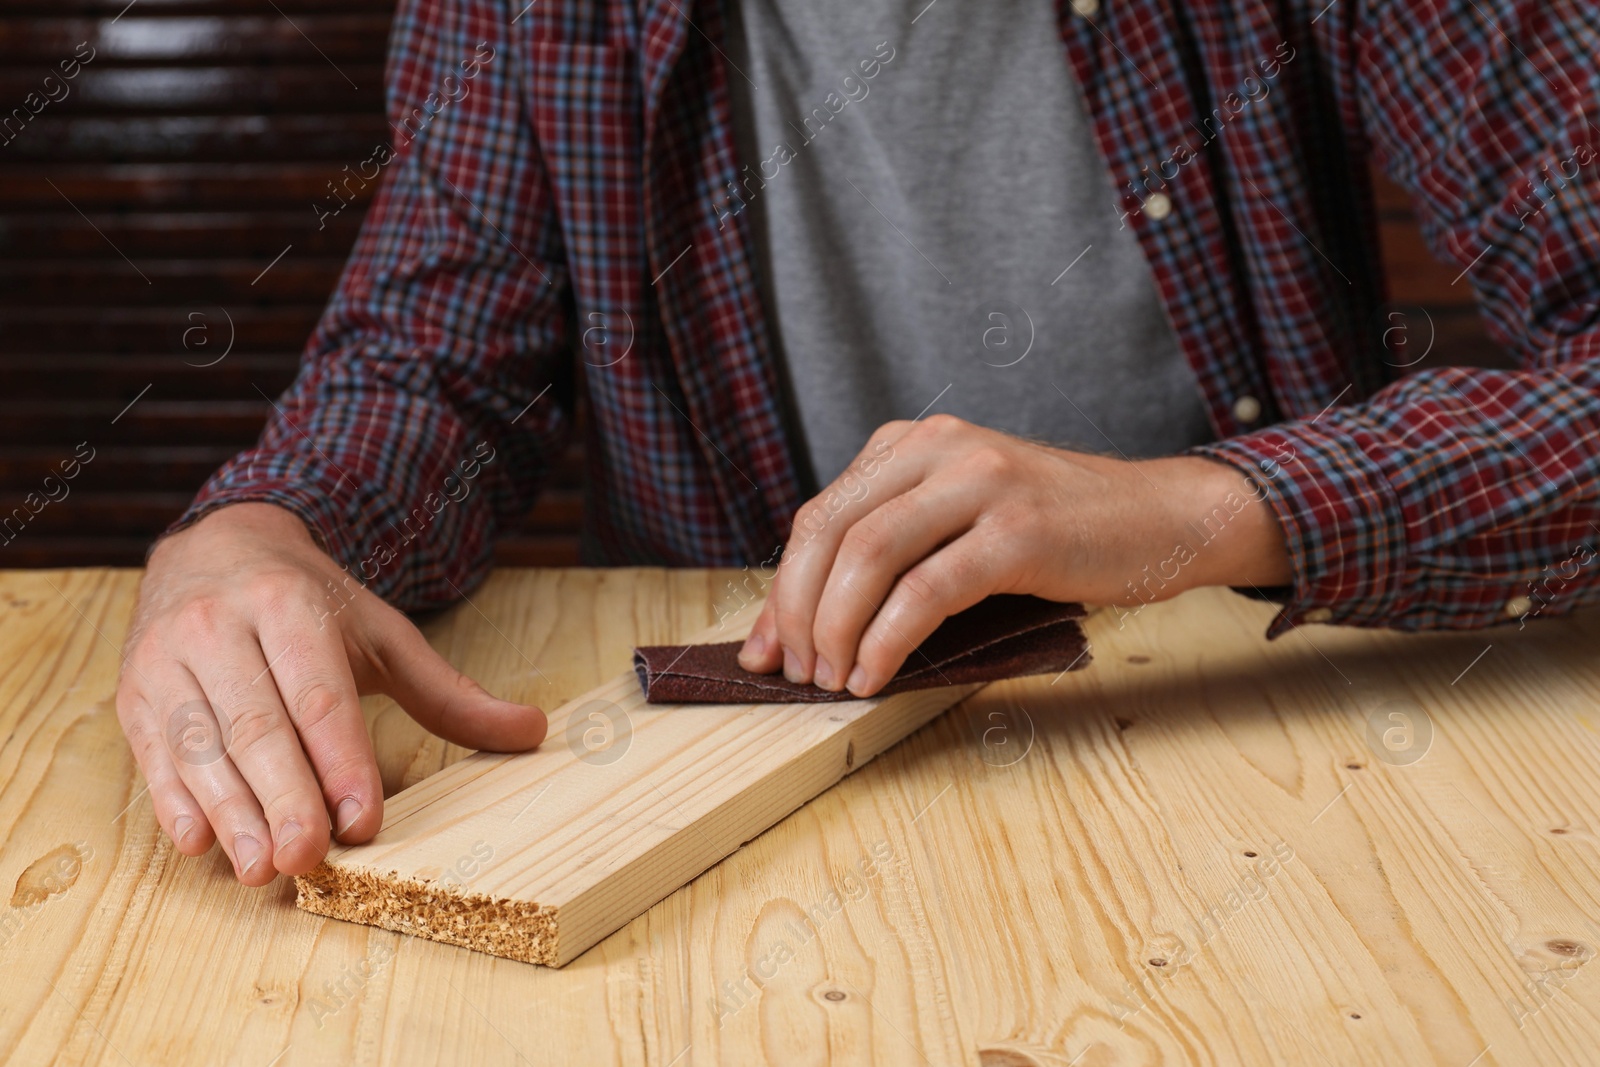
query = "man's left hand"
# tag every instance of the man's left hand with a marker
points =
(934, 516)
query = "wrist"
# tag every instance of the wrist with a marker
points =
(1219, 522)
(247, 517)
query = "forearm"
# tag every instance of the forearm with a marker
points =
(1454, 496)
(395, 487)
(1222, 530)
(1442, 502)
(420, 419)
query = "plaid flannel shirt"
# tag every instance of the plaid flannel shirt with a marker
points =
(549, 222)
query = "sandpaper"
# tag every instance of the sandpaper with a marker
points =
(1005, 636)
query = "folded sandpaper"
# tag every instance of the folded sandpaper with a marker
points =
(1005, 636)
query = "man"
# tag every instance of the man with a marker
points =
(1125, 228)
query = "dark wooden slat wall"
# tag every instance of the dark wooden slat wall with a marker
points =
(1430, 303)
(140, 209)
(186, 155)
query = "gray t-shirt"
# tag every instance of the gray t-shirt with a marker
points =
(936, 230)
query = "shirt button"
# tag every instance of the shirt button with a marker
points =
(1086, 7)
(1319, 615)
(1247, 409)
(1518, 606)
(1159, 206)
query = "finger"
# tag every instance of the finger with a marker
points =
(761, 653)
(267, 752)
(873, 555)
(197, 741)
(444, 700)
(820, 526)
(951, 580)
(176, 809)
(310, 666)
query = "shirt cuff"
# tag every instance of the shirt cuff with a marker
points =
(312, 493)
(1343, 523)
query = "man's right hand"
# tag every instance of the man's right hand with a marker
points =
(248, 650)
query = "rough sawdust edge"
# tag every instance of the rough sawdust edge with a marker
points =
(514, 929)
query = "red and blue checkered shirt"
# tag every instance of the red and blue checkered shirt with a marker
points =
(551, 222)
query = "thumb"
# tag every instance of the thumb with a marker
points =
(447, 702)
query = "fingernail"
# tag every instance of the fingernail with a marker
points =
(791, 667)
(181, 828)
(754, 646)
(346, 814)
(246, 852)
(288, 833)
(857, 680)
(823, 674)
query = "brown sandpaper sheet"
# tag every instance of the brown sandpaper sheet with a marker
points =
(1005, 636)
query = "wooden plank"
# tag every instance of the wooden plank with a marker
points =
(641, 798)
(1013, 923)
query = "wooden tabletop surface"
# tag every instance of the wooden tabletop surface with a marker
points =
(1339, 847)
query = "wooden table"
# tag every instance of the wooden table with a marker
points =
(1204, 849)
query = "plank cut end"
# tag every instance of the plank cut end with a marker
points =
(515, 929)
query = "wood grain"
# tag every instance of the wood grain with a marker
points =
(642, 798)
(995, 890)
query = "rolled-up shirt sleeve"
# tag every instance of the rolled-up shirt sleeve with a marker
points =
(423, 417)
(1461, 497)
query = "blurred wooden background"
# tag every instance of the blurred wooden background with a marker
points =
(139, 210)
